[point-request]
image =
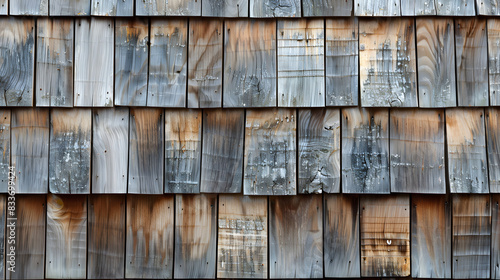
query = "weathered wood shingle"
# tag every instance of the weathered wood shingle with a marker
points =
(493, 26)
(112, 8)
(29, 7)
(377, 8)
(168, 7)
(225, 8)
(70, 8)
(275, 8)
(495, 236)
(5, 149)
(326, 8)
(493, 146)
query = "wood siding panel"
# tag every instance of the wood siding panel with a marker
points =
(66, 237)
(112, 8)
(195, 236)
(490, 7)
(270, 152)
(70, 149)
(4, 7)
(493, 145)
(326, 8)
(493, 26)
(365, 150)
(30, 150)
(94, 48)
(150, 236)
(456, 7)
(418, 8)
(168, 8)
(495, 236)
(250, 64)
(242, 237)
(225, 8)
(466, 140)
(341, 54)
(377, 8)
(183, 130)
(29, 7)
(5, 151)
(385, 236)
(387, 63)
(3, 235)
(417, 151)
(54, 62)
(205, 63)
(70, 8)
(275, 8)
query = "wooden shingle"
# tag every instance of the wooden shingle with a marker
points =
(493, 26)
(70, 8)
(495, 236)
(490, 7)
(113, 8)
(29, 7)
(5, 150)
(275, 8)
(326, 8)
(225, 8)
(4, 7)
(168, 7)
(377, 8)
(493, 146)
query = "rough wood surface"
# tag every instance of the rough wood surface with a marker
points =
(387, 62)
(319, 151)
(494, 60)
(94, 49)
(242, 237)
(326, 8)
(70, 149)
(112, 8)
(110, 150)
(183, 130)
(471, 61)
(417, 151)
(341, 236)
(365, 150)
(205, 63)
(225, 8)
(270, 152)
(131, 61)
(146, 143)
(3, 235)
(167, 63)
(456, 7)
(488, 7)
(430, 236)
(54, 62)
(106, 241)
(150, 236)
(30, 150)
(385, 236)
(70, 8)
(466, 140)
(17, 50)
(29, 7)
(377, 8)
(195, 236)
(275, 8)
(4, 7)
(30, 213)
(471, 236)
(222, 158)
(5, 161)
(301, 63)
(493, 145)
(418, 8)
(296, 236)
(168, 7)
(342, 52)
(249, 63)
(436, 62)
(66, 237)
(495, 236)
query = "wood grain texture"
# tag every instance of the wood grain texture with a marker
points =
(183, 130)
(4, 7)
(296, 236)
(30, 150)
(365, 150)
(436, 62)
(387, 63)
(377, 8)
(69, 8)
(418, 8)
(54, 62)
(430, 236)
(249, 63)
(417, 151)
(112, 8)
(168, 8)
(225, 8)
(242, 237)
(493, 145)
(167, 63)
(131, 61)
(29, 7)
(222, 158)
(495, 236)
(455, 7)
(326, 8)
(270, 152)
(195, 236)
(66, 237)
(319, 150)
(17, 49)
(471, 236)
(341, 236)
(493, 27)
(5, 151)
(106, 241)
(488, 7)
(341, 51)
(385, 236)
(3, 235)
(146, 143)
(275, 8)
(150, 236)
(471, 61)
(70, 149)
(466, 140)
(110, 153)
(94, 53)
(29, 238)
(205, 63)
(301, 63)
